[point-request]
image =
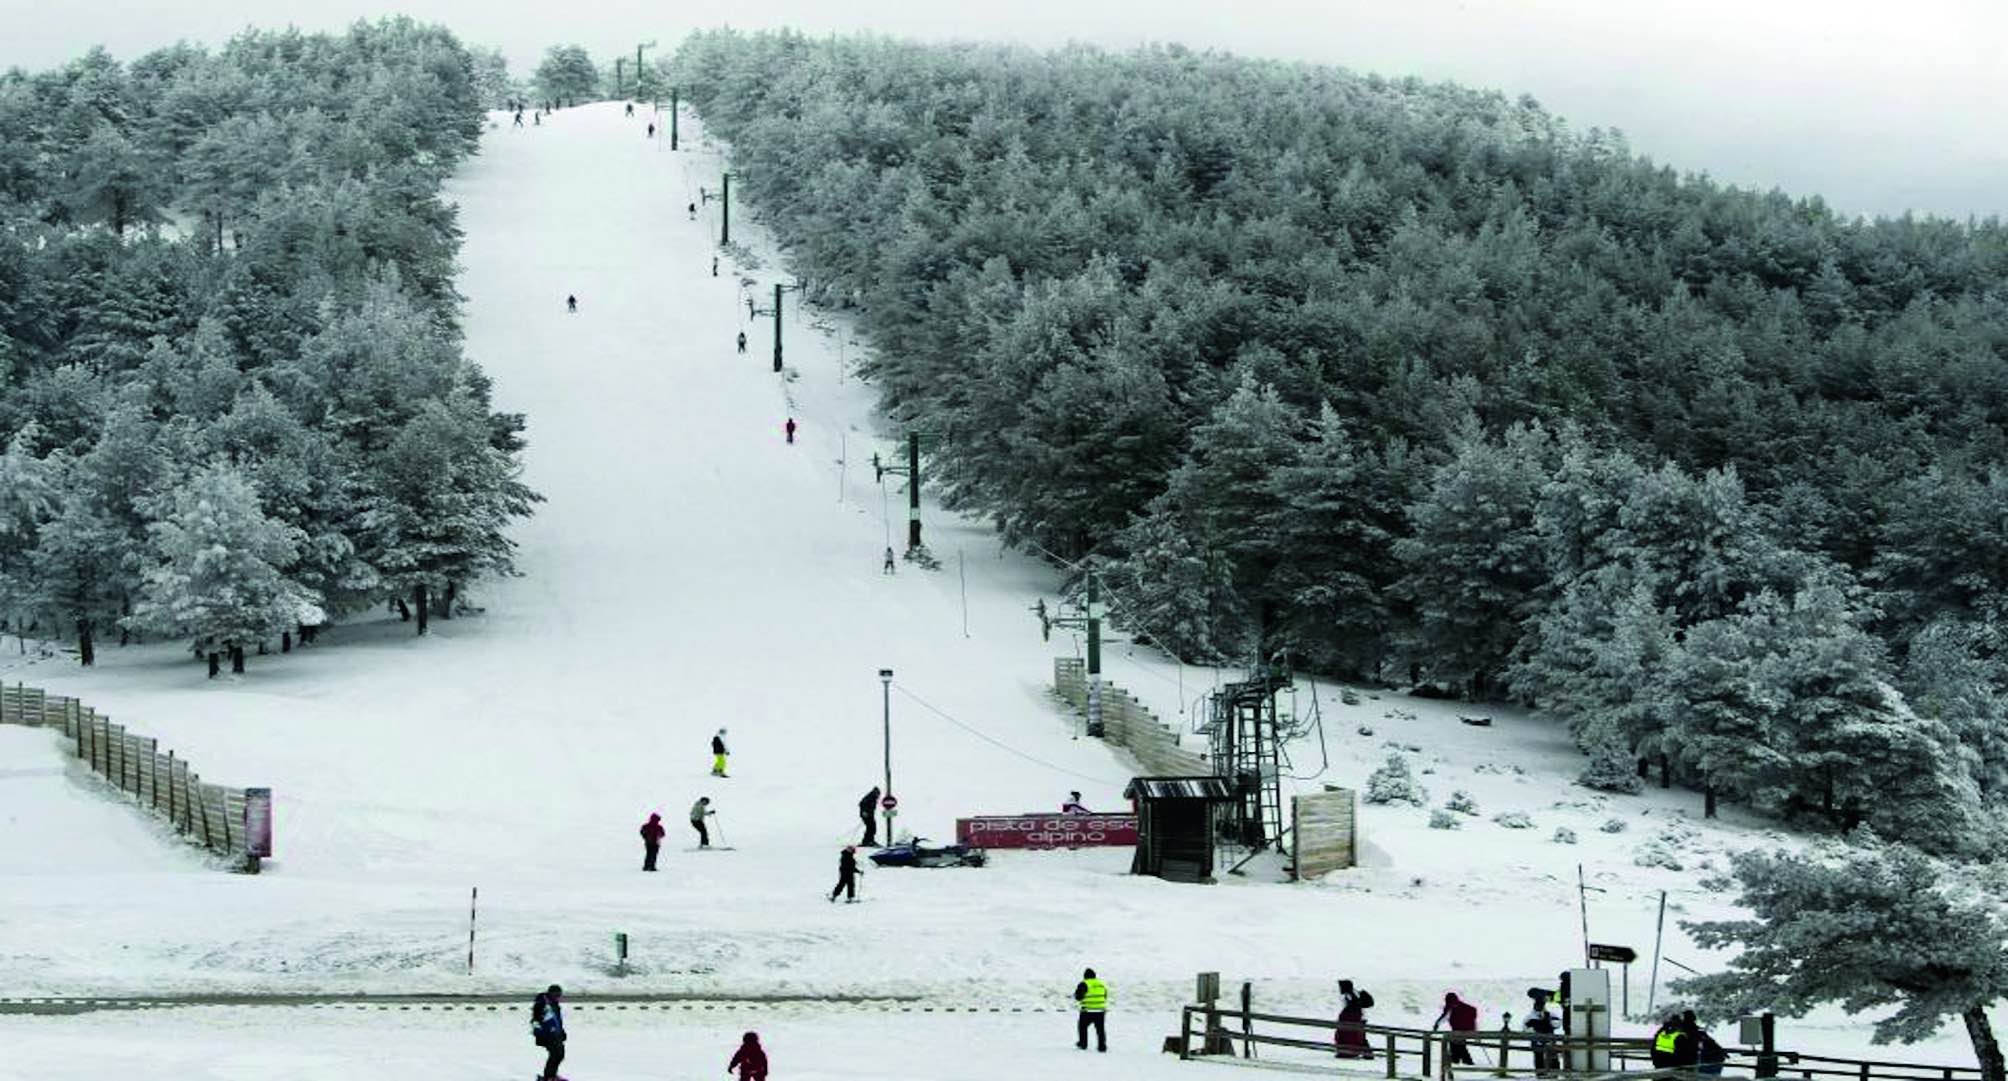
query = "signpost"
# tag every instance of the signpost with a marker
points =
(620, 952)
(1619, 955)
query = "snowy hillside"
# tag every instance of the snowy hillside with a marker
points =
(692, 570)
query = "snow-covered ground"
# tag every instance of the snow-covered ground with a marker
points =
(693, 571)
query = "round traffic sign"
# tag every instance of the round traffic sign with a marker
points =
(889, 802)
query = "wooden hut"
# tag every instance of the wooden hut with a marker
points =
(1175, 825)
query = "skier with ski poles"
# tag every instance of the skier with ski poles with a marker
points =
(1463, 1017)
(699, 811)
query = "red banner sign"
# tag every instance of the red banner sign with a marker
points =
(1047, 831)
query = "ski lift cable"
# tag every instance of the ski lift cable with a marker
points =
(999, 744)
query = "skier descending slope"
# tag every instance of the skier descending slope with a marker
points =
(847, 876)
(699, 811)
(651, 841)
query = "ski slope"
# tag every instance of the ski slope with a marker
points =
(692, 570)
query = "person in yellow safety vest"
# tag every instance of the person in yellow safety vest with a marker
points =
(718, 754)
(1667, 1044)
(1093, 995)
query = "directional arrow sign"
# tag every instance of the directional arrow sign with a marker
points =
(1623, 955)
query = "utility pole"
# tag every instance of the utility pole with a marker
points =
(912, 489)
(1091, 621)
(777, 326)
(885, 683)
(618, 62)
(1094, 658)
(724, 208)
(672, 119)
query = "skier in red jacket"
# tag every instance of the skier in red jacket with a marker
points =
(750, 1060)
(651, 841)
(1463, 1017)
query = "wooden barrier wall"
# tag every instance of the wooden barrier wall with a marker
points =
(1127, 723)
(209, 814)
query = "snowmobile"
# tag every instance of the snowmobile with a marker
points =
(916, 852)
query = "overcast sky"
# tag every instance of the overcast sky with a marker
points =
(1882, 106)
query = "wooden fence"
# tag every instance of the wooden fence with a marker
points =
(1427, 1053)
(1127, 723)
(209, 814)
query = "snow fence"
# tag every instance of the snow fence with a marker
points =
(231, 822)
(1127, 724)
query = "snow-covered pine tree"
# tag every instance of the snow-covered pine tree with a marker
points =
(1611, 769)
(218, 568)
(1179, 591)
(77, 571)
(1474, 567)
(1868, 928)
(1394, 782)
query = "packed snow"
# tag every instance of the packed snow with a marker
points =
(691, 571)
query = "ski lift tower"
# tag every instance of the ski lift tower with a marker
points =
(1245, 729)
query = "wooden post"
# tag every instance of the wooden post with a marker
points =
(1390, 1056)
(1185, 1034)
(1428, 1046)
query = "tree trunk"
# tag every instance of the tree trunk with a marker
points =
(1665, 772)
(285, 641)
(446, 603)
(1708, 802)
(215, 664)
(421, 599)
(237, 660)
(403, 610)
(85, 651)
(1985, 1049)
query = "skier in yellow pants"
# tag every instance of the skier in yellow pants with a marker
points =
(718, 754)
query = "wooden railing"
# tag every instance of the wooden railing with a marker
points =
(209, 814)
(1427, 1053)
(1126, 722)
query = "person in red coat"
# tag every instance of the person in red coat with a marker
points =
(750, 1060)
(651, 841)
(1463, 1017)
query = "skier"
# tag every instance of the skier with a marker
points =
(699, 811)
(1074, 806)
(868, 811)
(718, 754)
(714, 266)
(572, 304)
(742, 341)
(693, 212)
(1350, 1039)
(847, 876)
(519, 118)
(790, 428)
(536, 120)
(750, 1060)
(1463, 1017)
(630, 108)
(651, 841)
(547, 1027)
(651, 131)
(1093, 995)
(888, 568)
(1541, 1022)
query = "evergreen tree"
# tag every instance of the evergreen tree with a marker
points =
(218, 566)
(567, 76)
(1474, 566)
(1870, 928)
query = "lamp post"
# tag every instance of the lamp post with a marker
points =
(885, 683)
